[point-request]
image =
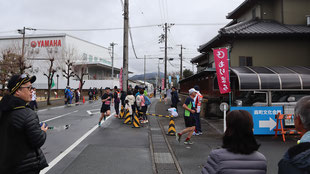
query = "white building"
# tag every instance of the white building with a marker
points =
(39, 49)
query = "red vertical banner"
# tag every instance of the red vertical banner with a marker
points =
(121, 79)
(162, 84)
(222, 71)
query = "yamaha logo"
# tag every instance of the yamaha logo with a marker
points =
(33, 44)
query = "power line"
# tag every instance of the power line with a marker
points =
(96, 29)
(193, 24)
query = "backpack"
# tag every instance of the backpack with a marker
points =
(147, 100)
(138, 100)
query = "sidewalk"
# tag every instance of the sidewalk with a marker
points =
(192, 157)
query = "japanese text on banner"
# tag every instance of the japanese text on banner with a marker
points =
(222, 72)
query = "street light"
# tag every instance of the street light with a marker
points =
(57, 81)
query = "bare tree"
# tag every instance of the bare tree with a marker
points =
(50, 76)
(80, 72)
(10, 63)
(52, 55)
(70, 58)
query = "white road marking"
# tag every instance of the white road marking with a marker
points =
(69, 149)
(58, 107)
(60, 116)
(91, 113)
(42, 110)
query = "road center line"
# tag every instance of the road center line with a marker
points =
(69, 149)
(60, 116)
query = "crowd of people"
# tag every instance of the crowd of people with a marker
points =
(136, 100)
(71, 94)
(22, 136)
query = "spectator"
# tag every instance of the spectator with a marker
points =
(21, 135)
(239, 150)
(197, 100)
(189, 119)
(116, 97)
(297, 159)
(90, 94)
(174, 98)
(130, 99)
(66, 95)
(123, 96)
(33, 104)
(154, 92)
(143, 106)
(77, 96)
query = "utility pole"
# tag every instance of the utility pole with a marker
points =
(181, 61)
(144, 67)
(23, 32)
(112, 45)
(125, 51)
(166, 28)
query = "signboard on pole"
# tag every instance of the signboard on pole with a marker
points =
(263, 118)
(121, 79)
(222, 70)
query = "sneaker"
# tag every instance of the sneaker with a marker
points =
(200, 133)
(188, 142)
(99, 124)
(194, 133)
(178, 137)
(146, 121)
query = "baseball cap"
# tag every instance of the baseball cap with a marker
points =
(191, 91)
(196, 87)
(107, 88)
(18, 80)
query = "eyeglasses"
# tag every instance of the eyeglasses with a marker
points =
(28, 87)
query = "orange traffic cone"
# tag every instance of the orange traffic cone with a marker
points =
(83, 99)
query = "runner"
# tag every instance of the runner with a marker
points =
(105, 108)
(189, 111)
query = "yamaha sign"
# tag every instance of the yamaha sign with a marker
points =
(45, 43)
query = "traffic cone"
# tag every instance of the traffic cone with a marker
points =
(135, 122)
(171, 130)
(121, 114)
(127, 117)
(83, 99)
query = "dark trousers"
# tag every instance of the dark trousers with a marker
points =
(33, 105)
(197, 121)
(144, 109)
(116, 107)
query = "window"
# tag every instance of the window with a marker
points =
(253, 13)
(96, 59)
(90, 58)
(84, 57)
(245, 61)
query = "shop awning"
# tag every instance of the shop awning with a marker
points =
(273, 78)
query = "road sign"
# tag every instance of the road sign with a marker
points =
(263, 118)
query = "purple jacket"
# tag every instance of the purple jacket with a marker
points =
(223, 161)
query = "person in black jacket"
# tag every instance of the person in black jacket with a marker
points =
(297, 159)
(174, 98)
(21, 135)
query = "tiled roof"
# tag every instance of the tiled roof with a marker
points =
(262, 27)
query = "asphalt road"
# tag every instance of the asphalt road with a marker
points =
(70, 123)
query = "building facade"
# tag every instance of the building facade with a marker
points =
(39, 49)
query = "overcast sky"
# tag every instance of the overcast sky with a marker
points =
(94, 14)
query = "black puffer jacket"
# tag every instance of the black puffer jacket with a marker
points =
(20, 137)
